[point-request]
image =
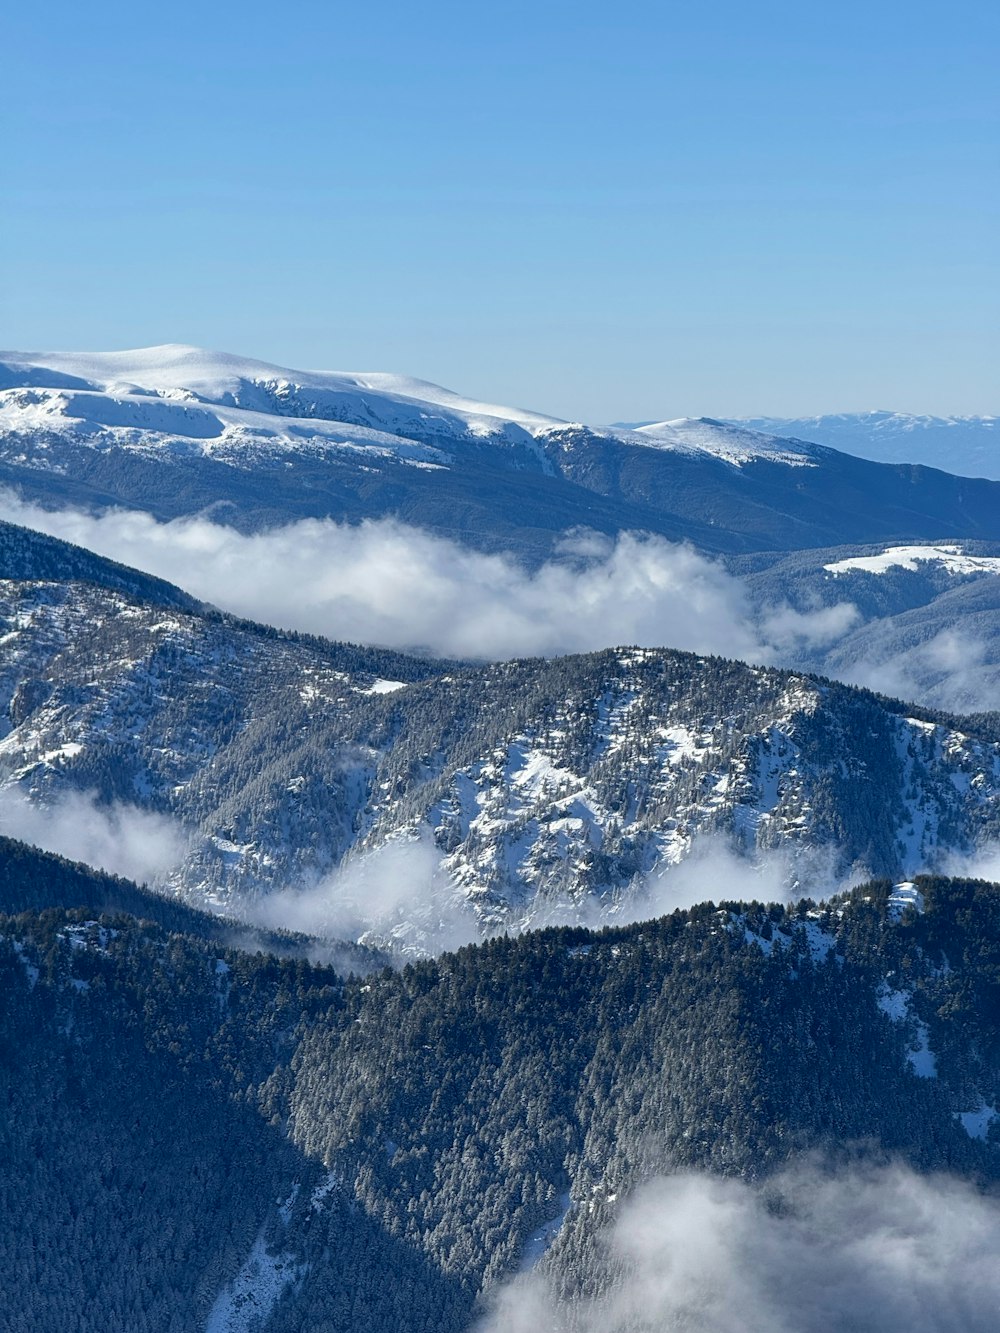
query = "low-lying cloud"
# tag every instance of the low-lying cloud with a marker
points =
(884, 1250)
(397, 895)
(952, 669)
(121, 839)
(715, 871)
(386, 583)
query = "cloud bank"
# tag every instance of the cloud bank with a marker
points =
(883, 1250)
(386, 583)
(121, 839)
(953, 669)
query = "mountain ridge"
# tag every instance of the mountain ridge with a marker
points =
(176, 431)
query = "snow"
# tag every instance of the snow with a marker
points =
(385, 687)
(204, 387)
(977, 1123)
(904, 896)
(733, 444)
(245, 1303)
(895, 1005)
(542, 1239)
(229, 433)
(324, 1189)
(679, 743)
(958, 444)
(952, 559)
(534, 773)
(248, 1300)
(821, 942)
(31, 971)
(189, 400)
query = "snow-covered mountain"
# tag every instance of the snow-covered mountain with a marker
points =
(544, 788)
(182, 398)
(967, 445)
(175, 430)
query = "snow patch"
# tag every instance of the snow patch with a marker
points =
(952, 559)
(245, 1304)
(385, 687)
(542, 1239)
(895, 1004)
(977, 1123)
(904, 896)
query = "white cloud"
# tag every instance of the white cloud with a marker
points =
(398, 894)
(885, 1250)
(715, 871)
(951, 670)
(122, 839)
(386, 583)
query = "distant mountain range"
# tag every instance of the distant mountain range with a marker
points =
(174, 430)
(559, 968)
(969, 446)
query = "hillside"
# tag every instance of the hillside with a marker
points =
(262, 1138)
(414, 799)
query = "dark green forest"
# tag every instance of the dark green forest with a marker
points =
(394, 1140)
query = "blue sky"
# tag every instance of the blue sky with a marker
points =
(602, 211)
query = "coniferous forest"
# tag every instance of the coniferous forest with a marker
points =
(187, 1116)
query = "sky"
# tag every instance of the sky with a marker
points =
(603, 212)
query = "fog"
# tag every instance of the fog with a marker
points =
(386, 583)
(882, 1250)
(397, 895)
(953, 669)
(715, 870)
(121, 839)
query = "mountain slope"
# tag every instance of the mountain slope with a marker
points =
(969, 446)
(927, 617)
(195, 1136)
(175, 430)
(547, 787)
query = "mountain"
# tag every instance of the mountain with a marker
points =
(199, 1138)
(501, 795)
(969, 446)
(924, 619)
(175, 430)
(32, 882)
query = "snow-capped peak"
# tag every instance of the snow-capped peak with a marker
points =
(391, 403)
(733, 443)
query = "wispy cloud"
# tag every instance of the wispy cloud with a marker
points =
(397, 895)
(122, 839)
(952, 669)
(885, 1250)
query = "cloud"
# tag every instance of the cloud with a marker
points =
(715, 870)
(952, 670)
(983, 863)
(880, 1249)
(386, 583)
(122, 839)
(396, 895)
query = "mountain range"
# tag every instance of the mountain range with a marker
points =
(968, 445)
(508, 794)
(197, 1137)
(354, 988)
(175, 430)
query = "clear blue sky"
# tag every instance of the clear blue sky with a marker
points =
(616, 210)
